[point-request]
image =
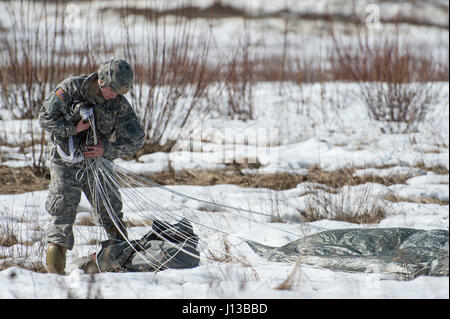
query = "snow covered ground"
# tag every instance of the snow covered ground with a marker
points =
(332, 139)
(292, 132)
(256, 278)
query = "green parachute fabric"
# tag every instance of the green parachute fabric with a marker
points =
(405, 253)
(166, 246)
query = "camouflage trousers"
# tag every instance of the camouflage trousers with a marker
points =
(63, 198)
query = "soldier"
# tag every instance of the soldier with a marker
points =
(118, 133)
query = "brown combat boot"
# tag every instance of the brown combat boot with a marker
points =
(56, 259)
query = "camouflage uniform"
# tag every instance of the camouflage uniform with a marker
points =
(118, 128)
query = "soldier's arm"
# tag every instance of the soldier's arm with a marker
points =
(129, 134)
(52, 115)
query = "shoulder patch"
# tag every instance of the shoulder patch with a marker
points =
(61, 94)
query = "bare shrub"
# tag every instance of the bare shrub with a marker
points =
(223, 256)
(239, 81)
(27, 254)
(362, 207)
(23, 66)
(35, 58)
(395, 84)
(7, 236)
(279, 206)
(172, 76)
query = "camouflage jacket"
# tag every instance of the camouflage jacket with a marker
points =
(117, 126)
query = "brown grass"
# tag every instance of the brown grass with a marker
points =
(419, 200)
(343, 205)
(22, 180)
(339, 178)
(86, 221)
(293, 278)
(8, 239)
(140, 223)
(440, 170)
(36, 267)
(20, 251)
(279, 181)
(225, 254)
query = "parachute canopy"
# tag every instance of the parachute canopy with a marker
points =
(405, 253)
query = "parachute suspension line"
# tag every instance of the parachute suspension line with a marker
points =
(129, 173)
(136, 179)
(179, 248)
(105, 179)
(102, 186)
(186, 238)
(93, 130)
(159, 208)
(174, 215)
(94, 197)
(106, 203)
(201, 225)
(99, 186)
(139, 183)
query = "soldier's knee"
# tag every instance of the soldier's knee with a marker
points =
(55, 204)
(61, 205)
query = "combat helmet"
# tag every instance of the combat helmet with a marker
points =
(117, 75)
